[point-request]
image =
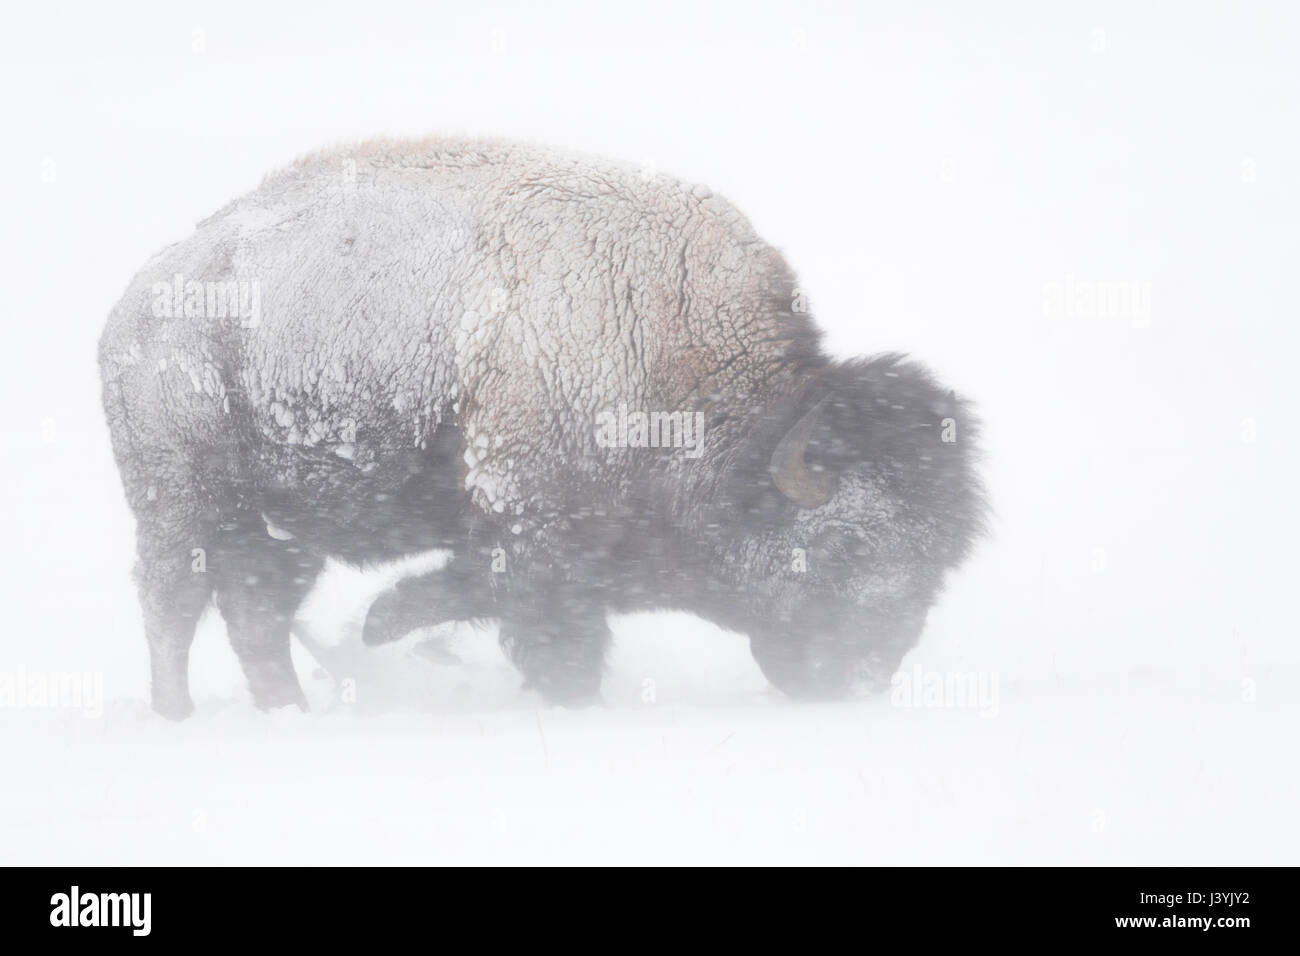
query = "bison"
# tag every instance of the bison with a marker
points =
(598, 390)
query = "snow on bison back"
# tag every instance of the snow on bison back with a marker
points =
(598, 391)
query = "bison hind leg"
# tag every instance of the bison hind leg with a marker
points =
(172, 534)
(172, 597)
(260, 581)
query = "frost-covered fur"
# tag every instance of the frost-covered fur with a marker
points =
(439, 326)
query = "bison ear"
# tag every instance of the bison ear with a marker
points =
(790, 471)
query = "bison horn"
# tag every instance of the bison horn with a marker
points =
(791, 474)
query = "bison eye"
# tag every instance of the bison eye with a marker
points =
(835, 545)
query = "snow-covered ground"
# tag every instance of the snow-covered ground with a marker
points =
(961, 184)
(430, 752)
(692, 760)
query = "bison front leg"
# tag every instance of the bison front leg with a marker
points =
(457, 592)
(559, 646)
(260, 582)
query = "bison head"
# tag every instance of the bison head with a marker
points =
(844, 511)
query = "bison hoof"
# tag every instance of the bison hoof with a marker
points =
(277, 701)
(567, 695)
(173, 707)
(274, 685)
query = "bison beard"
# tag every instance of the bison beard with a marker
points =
(441, 326)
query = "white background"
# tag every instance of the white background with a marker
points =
(933, 173)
